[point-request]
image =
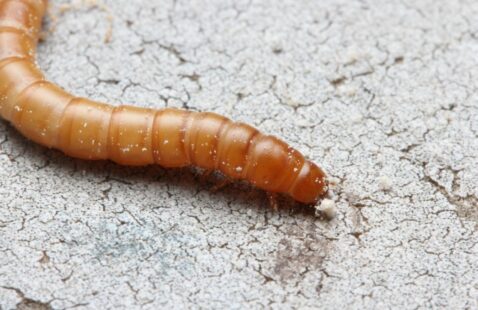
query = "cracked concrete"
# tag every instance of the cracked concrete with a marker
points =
(371, 90)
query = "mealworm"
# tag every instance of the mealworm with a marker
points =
(134, 136)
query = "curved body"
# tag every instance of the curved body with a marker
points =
(129, 135)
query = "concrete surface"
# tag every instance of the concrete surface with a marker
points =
(382, 94)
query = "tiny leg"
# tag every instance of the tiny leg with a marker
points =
(205, 175)
(273, 201)
(221, 184)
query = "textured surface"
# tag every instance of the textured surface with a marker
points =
(382, 94)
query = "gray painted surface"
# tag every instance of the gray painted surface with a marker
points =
(380, 93)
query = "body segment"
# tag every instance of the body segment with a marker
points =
(136, 136)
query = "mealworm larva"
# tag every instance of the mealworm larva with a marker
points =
(128, 135)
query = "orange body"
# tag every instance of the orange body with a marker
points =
(130, 135)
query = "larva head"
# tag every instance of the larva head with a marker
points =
(310, 185)
(276, 167)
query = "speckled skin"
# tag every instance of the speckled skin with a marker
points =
(137, 136)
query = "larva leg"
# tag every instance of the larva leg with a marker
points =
(273, 202)
(205, 174)
(221, 184)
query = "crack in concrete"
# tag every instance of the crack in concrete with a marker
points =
(27, 303)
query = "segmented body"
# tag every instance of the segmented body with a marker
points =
(129, 135)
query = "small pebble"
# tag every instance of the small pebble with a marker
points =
(384, 183)
(327, 208)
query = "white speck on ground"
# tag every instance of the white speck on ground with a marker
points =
(385, 183)
(364, 88)
(327, 208)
